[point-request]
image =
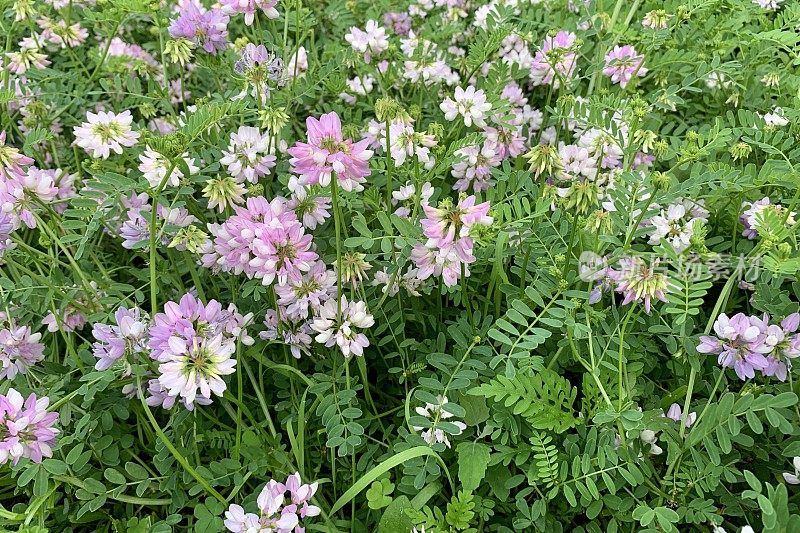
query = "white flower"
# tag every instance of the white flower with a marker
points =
(776, 118)
(793, 478)
(298, 64)
(335, 328)
(105, 132)
(407, 143)
(676, 225)
(470, 104)
(371, 41)
(199, 366)
(436, 413)
(154, 167)
(770, 5)
(248, 156)
(649, 437)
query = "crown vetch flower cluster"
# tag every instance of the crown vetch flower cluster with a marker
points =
(205, 28)
(105, 132)
(622, 64)
(278, 512)
(327, 152)
(337, 324)
(20, 349)
(127, 336)
(248, 157)
(26, 428)
(748, 344)
(469, 103)
(263, 240)
(437, 413)
(635, 279)
(448, 249)
(194, 344)
(371, 41)
(248, 9)
(750, 216)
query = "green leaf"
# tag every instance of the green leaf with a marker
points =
(473, 458)
(382, 468)
(395, 519)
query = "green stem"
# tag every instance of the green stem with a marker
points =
(173, 450)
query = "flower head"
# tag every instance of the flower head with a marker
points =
(470, 103)
(105, 132)
(338, 324)
(637, 280)
(208, 29)
(622, 64)
(248, 157)
(327, 152)
(127, 336)
(26, 428)
(248, 8)
(20, 349)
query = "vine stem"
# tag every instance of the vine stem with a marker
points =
(621, 351)
(337, 225)
(173, 450)
(153, 235)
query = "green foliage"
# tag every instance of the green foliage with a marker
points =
(544, 399)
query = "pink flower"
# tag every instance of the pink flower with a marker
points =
(622, 63)
(208, 29)
(248, 8)
(276, 515)
(474, 167)
(19, 350)
(26, 428)
(21, 194)
(11, 160)
(295, 334)
(372, 41)
(638, 281)
(556, 61)
(445, 224)
(327, 152)
(127, 336)
(312, 210)
(263, 240)
(338, 325)
(303, 295)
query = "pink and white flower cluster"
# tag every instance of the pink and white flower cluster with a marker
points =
(248, 156)
(327, 152)
(24, 189)
(436, 413)
(194, 344)
(26, 428)
(126, 337)
(248, 9)
(556, 61)
(339, 324)
(635, 279)
(371, 41)
(20, 349)
(750, 218)
(448, 250)
(749, 344)
(469, 103)
(278, 512)
(622, 64)
(264, 240)
(105, 132)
